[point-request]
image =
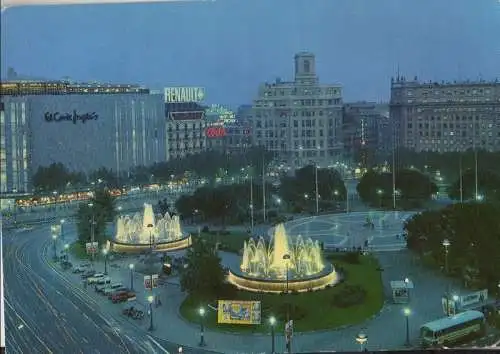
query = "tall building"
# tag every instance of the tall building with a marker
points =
(186, 123)
(361, 136)
(299, 121)
(84, 126)
(444, 117)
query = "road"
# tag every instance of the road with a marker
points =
(47, 314)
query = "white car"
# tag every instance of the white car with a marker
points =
(95, 278)
(112, 288)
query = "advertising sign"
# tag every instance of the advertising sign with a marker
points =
(184, 94)
(70, 117)
(147, 281)
(289, 330)
(91, 247)
(238, 312)
(474, 298)
(215, 132)
(450, 306)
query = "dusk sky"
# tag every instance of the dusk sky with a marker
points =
(230, 46)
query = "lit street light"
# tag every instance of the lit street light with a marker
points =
(201, 311)
(66, 248)
(62, 229)
(272, 322)
(407, 313)
(150, 300)
(131, 267)
(54, 239)
(362, 338)
(286, 258)
(105, 253)
(446, 244)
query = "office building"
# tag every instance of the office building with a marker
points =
(445, 117)
(186, 123)
(84, 126)
(299, 121)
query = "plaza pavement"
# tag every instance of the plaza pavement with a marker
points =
(385, 331)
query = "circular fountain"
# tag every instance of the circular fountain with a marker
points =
(134, 236)
(293, 266)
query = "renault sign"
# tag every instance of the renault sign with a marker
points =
(184, 94)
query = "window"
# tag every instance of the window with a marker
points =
(307, 66)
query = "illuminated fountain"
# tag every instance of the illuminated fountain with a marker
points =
(133, 234)
(297, 265)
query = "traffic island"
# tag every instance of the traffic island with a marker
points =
(358, 297)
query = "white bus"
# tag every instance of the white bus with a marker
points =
(451, 329)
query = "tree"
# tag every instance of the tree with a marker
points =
(488, 185)
(104, 177)
(56, 178)
(473, 230)
(204, 276)
(412, 188)
(101, 212)
(301, 189)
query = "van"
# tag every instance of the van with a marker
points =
(103, 281)
(94, 278)
(112, 288)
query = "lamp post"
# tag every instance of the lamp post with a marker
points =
(286, 258)
(251, 204)
(92, 231)
(54, 239)
(105, 254)
(272, 322)
(316, 184)
(131, 267)
(62, 228)
(446, 244)
(201, 311)
(362, 338)
(407, 313)
(150, 300)
(150, 228)
(407, 283)
(379, 193)
(66, 248)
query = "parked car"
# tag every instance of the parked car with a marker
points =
(66, 265)
(94, 278)
(114, 291)
(88, 274)
(100, 288)
(81, 268)
(103, 281)
(122, 296)
(112, 288)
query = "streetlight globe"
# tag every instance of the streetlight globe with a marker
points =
(272, 320)
(131, 266)
(54, 236)
(202, 311)
(63, 221)
(105, 251)
(455, 297)
(446, 242)
(406, 311)
(66, 246)
(150, 299)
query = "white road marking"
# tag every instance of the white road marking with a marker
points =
(158, 344)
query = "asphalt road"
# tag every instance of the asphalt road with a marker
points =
(47, 314)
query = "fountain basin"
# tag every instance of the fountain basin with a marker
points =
(175, 245)
(318, 281)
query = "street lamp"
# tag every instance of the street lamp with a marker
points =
(54, 239)
(66, 248)
(286, 258)
(362, 338)
(407, 286)
(272, 322)
(379, 193)
(407, 313)
(105, 253)
(316, 184)
(92, 231)
(150, 300)
(201, 311)
(62, 229)
(131, 267)
(446, 244)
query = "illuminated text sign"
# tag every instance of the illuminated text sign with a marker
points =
(184, 94)
(215, 132)
(70, 117)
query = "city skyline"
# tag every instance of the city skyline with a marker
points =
(445, 41)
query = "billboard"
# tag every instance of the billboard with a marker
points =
(91, 247)
(215, 132)
(238, 312)
(147, 281)
(184, 94)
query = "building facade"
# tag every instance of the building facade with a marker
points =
(299, 121)
(186, 127)
(83, 126)
(445, 117)
(361, 136)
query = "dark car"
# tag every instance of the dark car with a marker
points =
(110, 295)
(122, 296)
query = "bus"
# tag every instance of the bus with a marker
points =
(452, 329)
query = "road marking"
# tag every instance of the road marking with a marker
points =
(157, 344)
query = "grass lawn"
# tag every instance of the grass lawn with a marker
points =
(315, 310)
(232, 242)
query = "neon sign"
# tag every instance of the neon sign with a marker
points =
(220, 113)
(71, 117)
(215, 132)
(184, 94)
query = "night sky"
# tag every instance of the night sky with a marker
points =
(230, 46)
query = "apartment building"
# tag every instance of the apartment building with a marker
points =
(299, 121)
(446, 116)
